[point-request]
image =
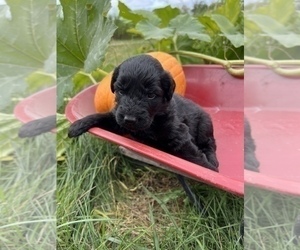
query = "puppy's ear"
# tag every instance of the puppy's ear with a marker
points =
(167, 84)
(114, 78)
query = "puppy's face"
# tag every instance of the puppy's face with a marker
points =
(143, 90)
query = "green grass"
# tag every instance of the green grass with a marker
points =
(108, 201)
(269, 219)
(27, 195)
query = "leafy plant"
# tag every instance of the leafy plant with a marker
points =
(27, 47)
(226, 20)
(83, 34)
(101, 202)
(8, 136)
(272, 30)
(172, 30)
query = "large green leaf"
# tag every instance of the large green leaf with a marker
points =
(150, 31)
(228, 29)
(185, 24)
(166, 14)
(148, 15)
(27, 42)
(282, 11)
(128, 14)
(209, 24)
(230, 9)
(276, 30)
(83, 35)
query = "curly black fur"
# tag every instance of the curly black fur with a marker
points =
(148, 110)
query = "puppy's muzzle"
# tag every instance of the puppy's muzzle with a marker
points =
(129, 120)
(133, 117)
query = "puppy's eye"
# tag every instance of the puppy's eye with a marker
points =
(151, 96)
(120, 92)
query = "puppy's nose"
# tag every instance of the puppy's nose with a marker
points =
(129, 119)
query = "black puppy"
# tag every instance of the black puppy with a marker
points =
(250, 160)
(148, 110)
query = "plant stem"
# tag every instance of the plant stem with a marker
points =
(237, 62)
(202, 56)
(89, 76)
(53, 76)
(271, 62)
(102, 72)
(226, 64)
(176, 48)
(287, 72)
(277, 65)
(236, 72)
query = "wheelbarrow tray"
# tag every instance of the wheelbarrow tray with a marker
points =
(272, 106)
(221, 95)
(36, 106)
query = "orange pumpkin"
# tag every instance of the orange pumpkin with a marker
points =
(104, 98)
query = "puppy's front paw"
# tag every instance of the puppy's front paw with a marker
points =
(212, 159)
(211, 163)
(251, 163)
(77, 129)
